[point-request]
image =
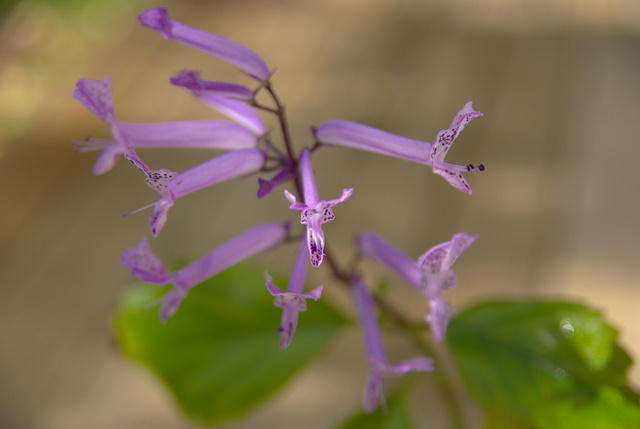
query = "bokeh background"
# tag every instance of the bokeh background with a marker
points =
(557, 209)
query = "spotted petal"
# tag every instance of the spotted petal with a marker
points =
(293, 300)
(445, 138)
(144, 264)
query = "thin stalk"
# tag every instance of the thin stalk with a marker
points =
(284, 126)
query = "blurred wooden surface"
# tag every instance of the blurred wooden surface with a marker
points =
(557, 210)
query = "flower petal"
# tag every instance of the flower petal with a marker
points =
(159, 215)
(171, 302)
(314, 212)
(147, 266)
(445, 138)
(376, 357)
(315, 241)
(346, 193)
(107, 158)
(144, 264)
(187, 134)
(442, 256)
(239, 248)
(294, 203)
(308, 180)
(237, 110)
(350, 134)
(265, 187)
(374, 392)
(377, 248)
(455, 179)
(190, 79)
(173, 185)
(368, 322)
(227, 50)
(158, 180)
(216, 170)
(358, 136)
(96, 96)
(440, 313)
(438, 277)
(293, 300)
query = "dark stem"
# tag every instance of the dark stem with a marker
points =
(280, 112)
(284, 125)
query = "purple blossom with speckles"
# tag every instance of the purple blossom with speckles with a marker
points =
(253, 148)
(378, 364)
(314, 212)
(431, 274)
(351, 134)
(145, 265)
(293, 300)
(209, 134)
(171, 185)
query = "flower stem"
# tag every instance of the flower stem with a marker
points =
(284, 125)
(445, 380)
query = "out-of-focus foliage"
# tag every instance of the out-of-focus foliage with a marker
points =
(219, 354)
(544, 365)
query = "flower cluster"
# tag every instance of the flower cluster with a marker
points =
(250, 150)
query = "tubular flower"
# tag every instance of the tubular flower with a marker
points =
(293, 300)
(378, 364)
(145, 265)
(96, 96)
(190, 79)
(431, 274)
(171, 185)
(237, 110)
(351, 134)
(265, 187)
(227, 50)
(314, 212)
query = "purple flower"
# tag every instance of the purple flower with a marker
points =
(96, 96)
(237, 110)
(227, 50)
(171, 185)
(378, 364)
(190, 79)
(431, 274)
(350, 134)
(265, 187)
(293, 300)
(145, 265)
(314, 212)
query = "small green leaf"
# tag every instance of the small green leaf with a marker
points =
(544, 365)
(396, 417)
(219, 354)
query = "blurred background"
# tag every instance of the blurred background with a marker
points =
(557, 208)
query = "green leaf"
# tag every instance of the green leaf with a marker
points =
(544, 365)
(396, 417)
(219, 354)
